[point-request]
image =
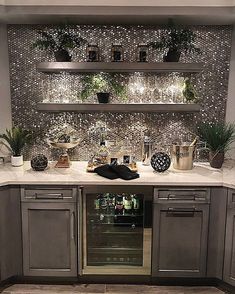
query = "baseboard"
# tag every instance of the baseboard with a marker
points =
(225, 287)
(122, 279)
(6, 283)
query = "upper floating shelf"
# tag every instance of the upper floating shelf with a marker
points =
(123, 67)
(86, 108)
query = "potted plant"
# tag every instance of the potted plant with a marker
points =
(58, 40)
(175, 40)
(189, 92)
(218, 138)
(15, 140)
(102, 85)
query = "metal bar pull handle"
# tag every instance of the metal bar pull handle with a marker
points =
(185, 197)
(72, 225)
(49, 195)
(184, 212)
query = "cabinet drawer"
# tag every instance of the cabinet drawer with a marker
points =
(48, 194)
(195, 195)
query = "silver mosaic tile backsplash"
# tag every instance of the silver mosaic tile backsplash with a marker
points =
(28, 87)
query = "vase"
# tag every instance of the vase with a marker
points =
(216, 159)
(172, 56)
(103, 97)
(62, 56)
(17, 160)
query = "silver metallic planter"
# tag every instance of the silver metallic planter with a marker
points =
(182, 156)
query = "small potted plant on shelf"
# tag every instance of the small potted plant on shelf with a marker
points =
(59, 41)
(189, 92)
(102, 85)
(175, 40)
(15, 139)
(218, 138)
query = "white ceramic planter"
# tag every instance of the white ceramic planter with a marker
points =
(17, 160)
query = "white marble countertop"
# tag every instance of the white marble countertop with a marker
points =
(201, 175)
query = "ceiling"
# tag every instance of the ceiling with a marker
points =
(146, 15)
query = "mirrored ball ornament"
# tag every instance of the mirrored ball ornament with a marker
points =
(160, 162)
(39, 162)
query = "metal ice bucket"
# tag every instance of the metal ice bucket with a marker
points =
(182, 156)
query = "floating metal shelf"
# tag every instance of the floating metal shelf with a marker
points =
(123, 67)
(86, 108)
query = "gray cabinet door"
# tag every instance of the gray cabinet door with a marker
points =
(49, 239)
(229, 260)
(10, 233)
(180, 240)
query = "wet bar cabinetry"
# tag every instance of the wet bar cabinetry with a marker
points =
(113, 230)
(10, 233)
(229, 259)
(180, 232)
(49, 231)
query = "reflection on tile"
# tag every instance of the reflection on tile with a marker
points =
(109, 289)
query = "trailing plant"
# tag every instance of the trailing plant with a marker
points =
(218, 136)
(176, 39)
(97, 83)
(15, 139)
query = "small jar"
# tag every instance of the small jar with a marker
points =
(117, 53)
(92, 53)
(142, 53)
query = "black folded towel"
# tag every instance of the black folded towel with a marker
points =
(106, 171)
(124, 172)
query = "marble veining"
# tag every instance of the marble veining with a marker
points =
(201, 175)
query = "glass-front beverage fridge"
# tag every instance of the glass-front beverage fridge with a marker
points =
(117, 230)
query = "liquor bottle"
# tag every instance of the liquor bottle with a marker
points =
(104, 202)
(103, 152)
(147, 148)
(136, 204)
(111, 202)
(119, 205)
(97, 203)
(128, 204)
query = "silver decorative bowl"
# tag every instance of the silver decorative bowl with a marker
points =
(64, 145)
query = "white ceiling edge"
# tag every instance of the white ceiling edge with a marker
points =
(154, 3)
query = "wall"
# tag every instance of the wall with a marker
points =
(5, 98)
(230, 110)
(29, 87)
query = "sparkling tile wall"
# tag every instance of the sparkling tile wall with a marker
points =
(28, 87)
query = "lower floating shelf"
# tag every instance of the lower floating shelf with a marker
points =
(84, 108)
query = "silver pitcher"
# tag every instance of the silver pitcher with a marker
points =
(182, 156)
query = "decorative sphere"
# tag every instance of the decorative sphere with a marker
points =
(39, 162)
(160, 162)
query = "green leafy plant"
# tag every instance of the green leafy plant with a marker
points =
(176, 39)
(218, 136)
(58, 39)
(97, 83)
(189, 92)
(15, 139)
